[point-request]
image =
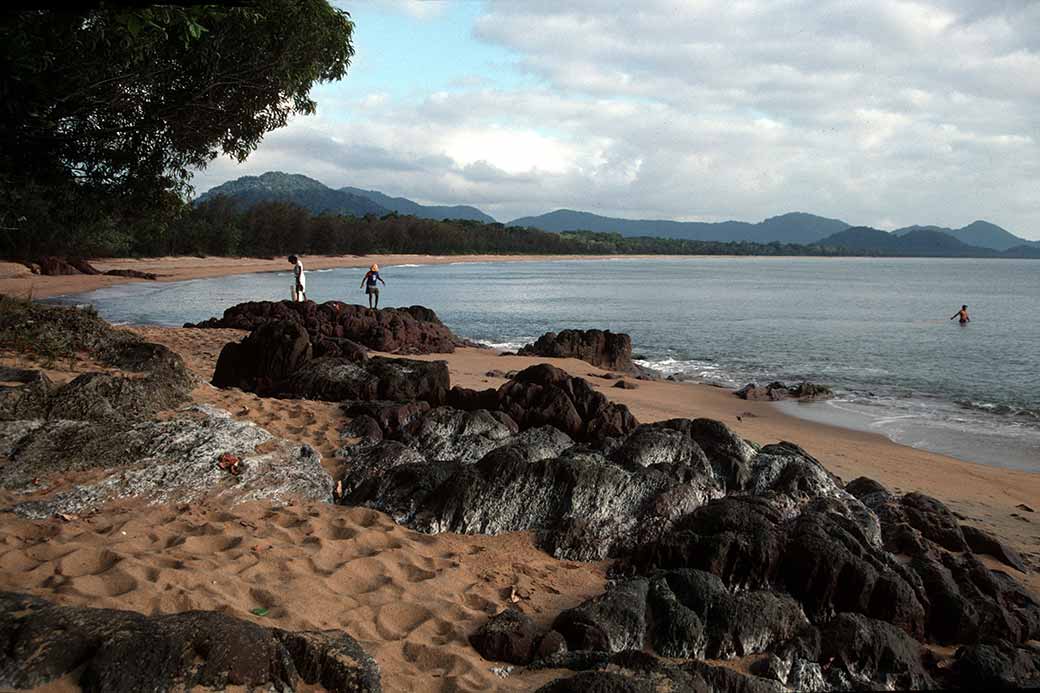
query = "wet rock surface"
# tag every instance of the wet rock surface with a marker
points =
(603, 348)
(413, 330)
(114, 651)
(777, 391)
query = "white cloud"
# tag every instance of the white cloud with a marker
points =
(887, 112)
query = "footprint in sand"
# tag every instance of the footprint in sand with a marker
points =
(87, 562)
(211, 544)
(414, 573)
(113, 583)
(15, 561)
(397, 620)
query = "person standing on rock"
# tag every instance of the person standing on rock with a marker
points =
(299, 286)
(963, 315)
(371, 287)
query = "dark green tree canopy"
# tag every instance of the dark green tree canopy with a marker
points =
(105, 112)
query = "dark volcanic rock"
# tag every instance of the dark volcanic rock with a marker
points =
(776, 391)
(606, 349)
(509, 636)
(110, 650)
(55, 266)
(156, 461)
(415, 330)
(544, 394)
(379, 378)
(135, 274)
(580, 504)
(263, 361)
(345, 348)
(980, 541)
(872, 650)
(997, 665)
(391, 417)
(613, 621)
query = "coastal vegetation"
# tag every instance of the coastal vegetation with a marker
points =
(107, 110)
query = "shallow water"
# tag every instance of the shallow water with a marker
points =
(876, 329)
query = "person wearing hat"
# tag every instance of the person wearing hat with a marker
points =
(370, 286)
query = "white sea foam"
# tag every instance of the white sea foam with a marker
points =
(505, 346)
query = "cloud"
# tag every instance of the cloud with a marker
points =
(886, 113)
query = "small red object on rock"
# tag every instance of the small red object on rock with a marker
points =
(230, 463)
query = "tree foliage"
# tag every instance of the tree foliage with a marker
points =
(220, 226)
(104, 113)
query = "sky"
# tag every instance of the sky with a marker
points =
(878, 112)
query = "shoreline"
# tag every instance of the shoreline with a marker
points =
(17, 280)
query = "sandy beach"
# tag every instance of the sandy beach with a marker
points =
(412, 599)
(17, 280)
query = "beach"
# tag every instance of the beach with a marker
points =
(413, 599)
(17, 280)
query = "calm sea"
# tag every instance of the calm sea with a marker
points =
(875, 329)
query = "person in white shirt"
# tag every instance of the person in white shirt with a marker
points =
(299, 286)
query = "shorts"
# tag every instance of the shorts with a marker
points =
(372, 291)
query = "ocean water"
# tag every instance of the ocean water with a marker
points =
(877, 330)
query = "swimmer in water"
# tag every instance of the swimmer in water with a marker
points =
(963, 315)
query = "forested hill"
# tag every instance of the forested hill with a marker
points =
(795, 227)
(220, 226)
(402, 205)
(316, 197)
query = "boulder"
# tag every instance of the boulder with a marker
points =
(579, 504)
(116, 651)
(611, 622)
(544, 394)
(603, 348)
(414, 330)
(776, 391)
(265, 359)
(132, 273)
(391, 417)
(51, 266)
(337, 379)
(874, 651)
(996, 665)
(157, 461)
(509, 636)
(345, 348)
(981, 541)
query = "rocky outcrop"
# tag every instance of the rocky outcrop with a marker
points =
(278, 359)
(776, 391)
(603, 348)
(545, 395)
(414, 330)
(156, 461)
(379, 378)
(265, 359)
(116, 651)
(509, 636)
(52, 266)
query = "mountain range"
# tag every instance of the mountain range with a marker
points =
(978, 239)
